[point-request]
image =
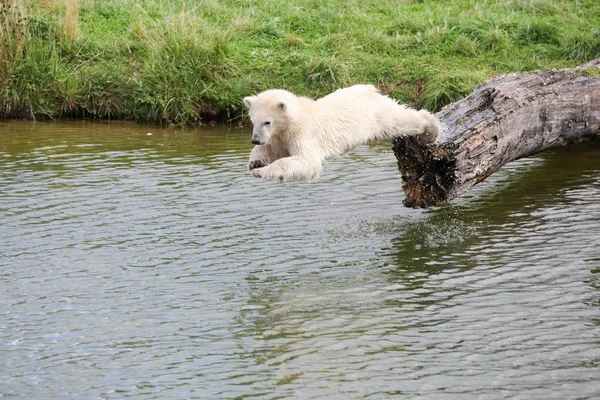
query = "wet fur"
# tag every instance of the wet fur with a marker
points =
(297, 134)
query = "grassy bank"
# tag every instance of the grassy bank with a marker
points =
(185, 61)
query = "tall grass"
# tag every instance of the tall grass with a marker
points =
(13, 34)
(71, 22)
(581, 46)
(191, 61)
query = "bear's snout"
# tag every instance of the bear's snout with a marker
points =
(255, 141)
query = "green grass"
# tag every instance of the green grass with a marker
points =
(192, 61)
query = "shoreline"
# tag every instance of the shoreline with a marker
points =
(192, 63)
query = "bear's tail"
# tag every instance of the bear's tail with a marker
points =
(432, 127)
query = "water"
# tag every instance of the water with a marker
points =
(154, 267)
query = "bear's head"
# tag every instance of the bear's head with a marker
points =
(271, 113)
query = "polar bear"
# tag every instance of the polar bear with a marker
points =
(295, 135)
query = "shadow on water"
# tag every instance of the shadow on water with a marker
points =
(441, 241)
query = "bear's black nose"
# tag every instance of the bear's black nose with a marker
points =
(254, 141)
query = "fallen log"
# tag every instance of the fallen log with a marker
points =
(507, 118)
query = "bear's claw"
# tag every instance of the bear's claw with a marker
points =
(254, 164)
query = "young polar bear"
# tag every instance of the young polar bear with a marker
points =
(294, 135)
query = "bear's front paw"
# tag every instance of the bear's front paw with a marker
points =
(257, 164)
(257, 172)
(266, 174)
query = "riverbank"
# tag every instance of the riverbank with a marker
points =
(193, 62)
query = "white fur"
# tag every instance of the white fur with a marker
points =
(294, 135)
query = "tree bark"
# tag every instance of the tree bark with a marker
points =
(504, 119)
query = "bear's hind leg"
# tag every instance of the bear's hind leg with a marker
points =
(401, 121)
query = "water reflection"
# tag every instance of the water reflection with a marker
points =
(523, 197)
(153, 266)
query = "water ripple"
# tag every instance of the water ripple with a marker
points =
(137, 266)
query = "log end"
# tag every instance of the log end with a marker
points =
(427, 169)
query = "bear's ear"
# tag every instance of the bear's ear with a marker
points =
(281, 106)
(249, 100)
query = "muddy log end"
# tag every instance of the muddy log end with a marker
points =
(428, 170)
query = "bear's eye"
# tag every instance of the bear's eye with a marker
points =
(267, 123)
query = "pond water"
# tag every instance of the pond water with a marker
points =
(154, 266)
